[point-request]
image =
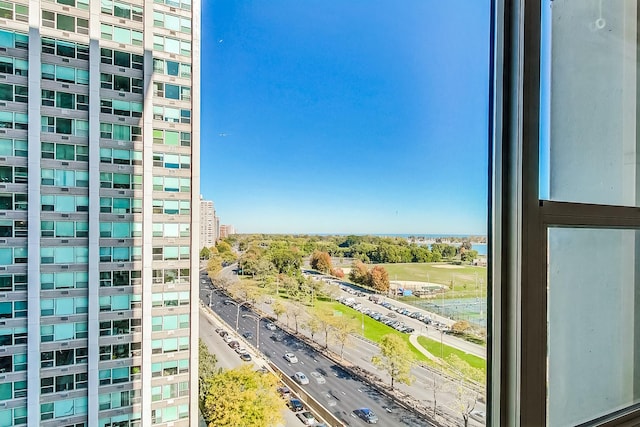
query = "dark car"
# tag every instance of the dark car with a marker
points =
(295, 405)
(248, 335)
(234, 344)
(367, 414)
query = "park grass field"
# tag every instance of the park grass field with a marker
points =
(441, 273)
(462, 281)
(374, 330)
(434, 348)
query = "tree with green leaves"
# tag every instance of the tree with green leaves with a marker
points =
(285, 259)
(206, 366)
(278, 309)
(395, 358)
(312, 325)
(242, 397)
(205, 253)
(466, 397)
(342, 331)
(326, 320)
(321, 261)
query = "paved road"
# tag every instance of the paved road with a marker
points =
(227, 358)
(340, 393)
(359, 352)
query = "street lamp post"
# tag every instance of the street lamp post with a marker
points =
(257, 319)
(238, 310)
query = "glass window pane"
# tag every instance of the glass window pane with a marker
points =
(592, 318)
(589, 125)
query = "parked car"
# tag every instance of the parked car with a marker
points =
(290, 357)
(307, 418)
(367, 414)
(234, 344)
(270, 326)
(245, 357)
(284, 392)
(295, 405)
(227, 338)
(240, 350)
(301, 378)
(318, 377)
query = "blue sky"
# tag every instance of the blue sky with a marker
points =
(351, 116)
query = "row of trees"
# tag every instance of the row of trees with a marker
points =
(372, 249)
(220, 254)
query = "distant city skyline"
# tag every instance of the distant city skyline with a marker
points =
(346, 118)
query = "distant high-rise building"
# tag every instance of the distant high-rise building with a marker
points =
(226, 230)
(208, 224)
(99, 184)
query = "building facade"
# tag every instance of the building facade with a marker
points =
(99, 184)
(208, 224)
(226, 230)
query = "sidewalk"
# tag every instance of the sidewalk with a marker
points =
(413, 339)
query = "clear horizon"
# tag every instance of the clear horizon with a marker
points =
(344, 118)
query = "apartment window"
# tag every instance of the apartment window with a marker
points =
(173, 138)
(80, 4)
(171, 45)
(180, 4)
(9, 10)
(13, 174)
(13, 93)
(64, 255)
(65, 280)
(171, 22)
(65, 49)
(121, 59)
(12, 39)
(13, 282)
(17, 66)
(64, 126)
(64, 74)
(120, 157)
(11, 120)
(64, 22)
(121, 108)
(122, 10)
(171, 184)
(65, 204)
(121, 35)
(64, 178)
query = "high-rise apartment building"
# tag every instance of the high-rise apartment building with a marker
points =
(99, 185)
(208, 224)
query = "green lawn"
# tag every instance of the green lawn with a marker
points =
(434, 348)
(467, 280)
(374, 330)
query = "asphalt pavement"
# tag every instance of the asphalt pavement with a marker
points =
(341, 393)
(342, 398)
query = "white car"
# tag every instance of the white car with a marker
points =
(290, 357)
(301, 378)
(271, 326)
(307, 418)
(318, 377)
